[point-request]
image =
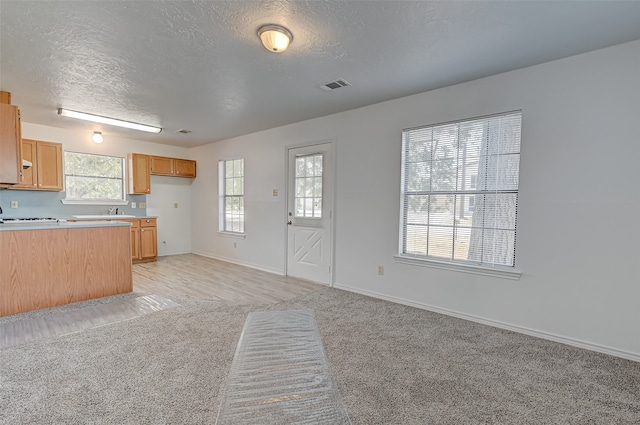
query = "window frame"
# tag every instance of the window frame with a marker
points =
(222, 199)
(73, 201)
(468, 266)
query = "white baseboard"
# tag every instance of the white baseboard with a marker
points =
(502, 325)
(166, 254)
(240, 263)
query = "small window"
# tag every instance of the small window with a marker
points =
(308, 190)
(93, 178)
(460, 190)
(231, 191)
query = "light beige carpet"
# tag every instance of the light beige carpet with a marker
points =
(392, 365)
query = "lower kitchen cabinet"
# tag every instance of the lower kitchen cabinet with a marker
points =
(61, 264)
(144, 240)
(148, 239)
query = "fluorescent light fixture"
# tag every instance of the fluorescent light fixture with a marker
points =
(97, 137)
(110, 121)
(275, 38)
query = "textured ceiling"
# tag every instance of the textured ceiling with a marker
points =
(199, 65)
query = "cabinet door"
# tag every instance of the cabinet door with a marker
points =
(185, 168)
(139, 173)
(148, 242)
(161, 166)
(10, 144)
(29, 175)
(135, 243)
(49, 161)
(135, 238)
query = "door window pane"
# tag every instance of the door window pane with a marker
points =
(308, 186)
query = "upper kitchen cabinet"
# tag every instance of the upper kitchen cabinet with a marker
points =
(185, 168)
(46, 173)
(10, 145)
(139, 173)
(142, 167)
(175, 167)
(162, 166)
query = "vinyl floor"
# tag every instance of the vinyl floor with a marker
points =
(171, 276)
(202, 277)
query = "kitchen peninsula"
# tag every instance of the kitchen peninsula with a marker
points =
(49, 264)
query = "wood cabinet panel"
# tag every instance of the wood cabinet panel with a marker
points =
(185, 168)
(148, 222)
(162, 166)
(5, 97)
(29, 175)
(148, 243)
(135, 238)
(47, 172)
(139, 173)
(144, 240)
(135, 243)
(50, 267)
(49, 162)
(174, 167)
(10, 145)
(142, 166)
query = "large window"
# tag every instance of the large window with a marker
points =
(231, 179)
(460, 190)
(94, 178)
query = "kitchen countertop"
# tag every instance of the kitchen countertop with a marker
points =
(62, 225)
(109, 218)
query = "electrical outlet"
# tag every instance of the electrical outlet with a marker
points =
(14, 204)
(275, 192)
(235, 245)
(175, 205)
(142, 204)
(133, 205)
(381, 270)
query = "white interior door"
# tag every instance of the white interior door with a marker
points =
(309, 212)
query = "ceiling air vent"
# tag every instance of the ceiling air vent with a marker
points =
(334, 85)
(183, 131)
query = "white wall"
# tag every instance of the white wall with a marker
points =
(174, 225)
(578, 227)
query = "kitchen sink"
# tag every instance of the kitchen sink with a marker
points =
(104, 216)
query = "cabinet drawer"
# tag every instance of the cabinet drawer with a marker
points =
(134, 223)
(148, 222)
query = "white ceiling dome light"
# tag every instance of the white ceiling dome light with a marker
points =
(97, 137)
(275, 38)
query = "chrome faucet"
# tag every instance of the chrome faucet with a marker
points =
(113, 211)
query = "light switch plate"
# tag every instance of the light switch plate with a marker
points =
(142, 204)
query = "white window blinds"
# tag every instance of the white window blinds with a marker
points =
(460, 190)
